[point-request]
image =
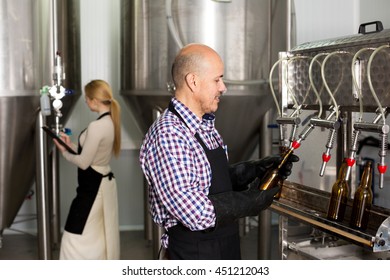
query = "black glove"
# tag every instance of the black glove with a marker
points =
(243, 173)
(230, 206)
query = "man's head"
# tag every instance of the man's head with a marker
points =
(197, 73)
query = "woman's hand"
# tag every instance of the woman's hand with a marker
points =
(64, 137)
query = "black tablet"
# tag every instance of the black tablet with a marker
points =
(55, 136)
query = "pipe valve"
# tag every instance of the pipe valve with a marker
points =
(352, 155)
(326, 155)
(297, 143)
(358, 127)
(282, 121)
(382, 167)
(383, 130)
(333, 126)
(57, 91)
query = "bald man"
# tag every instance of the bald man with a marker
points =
(193, 192)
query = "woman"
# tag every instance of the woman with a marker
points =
(91, 229)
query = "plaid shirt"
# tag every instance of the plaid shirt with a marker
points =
(177, 170)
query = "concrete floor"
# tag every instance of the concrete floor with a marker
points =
(133, 246)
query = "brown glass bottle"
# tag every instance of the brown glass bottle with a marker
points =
(363, 199)
(339, 196)
(272, 178)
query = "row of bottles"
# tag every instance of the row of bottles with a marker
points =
(340, 192)
(362, 199)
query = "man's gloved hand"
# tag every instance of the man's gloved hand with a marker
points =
(243, 173)
(230, 206)
(263, 198)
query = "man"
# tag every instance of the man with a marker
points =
(193, 193)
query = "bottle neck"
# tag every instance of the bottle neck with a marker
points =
(342, 172)
(285, 157)
(366, 179)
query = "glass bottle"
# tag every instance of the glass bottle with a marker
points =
(272, 177)
(45, 101)
(363, 199)
(339, 196)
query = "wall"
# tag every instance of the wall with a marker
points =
(373, 10)
(323, 19)
(318, 19)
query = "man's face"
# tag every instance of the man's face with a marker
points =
(211, 85)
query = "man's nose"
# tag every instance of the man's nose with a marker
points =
(223, 88)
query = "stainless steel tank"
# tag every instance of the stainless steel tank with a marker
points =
(248, 34)
(28, 38)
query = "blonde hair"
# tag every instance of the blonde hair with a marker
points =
(101, 91)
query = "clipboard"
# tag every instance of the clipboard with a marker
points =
(55, 136)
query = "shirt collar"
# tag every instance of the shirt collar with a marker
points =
(192, 121)
(208, 121)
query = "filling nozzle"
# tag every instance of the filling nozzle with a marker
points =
(326, 155)
(382, 152)
(296, 123)
(352, 155)
(282, 121)
(333, 126)
(309, 128)
(383, 130)
(297, 143)
(358, 126)
(382, 167)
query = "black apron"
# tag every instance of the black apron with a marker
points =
(221, 243)
(89, 182)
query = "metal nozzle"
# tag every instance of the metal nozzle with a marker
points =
(351, 160)
(382, 167)
(326, 156)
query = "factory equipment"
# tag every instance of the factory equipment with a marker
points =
(347, 77)
(35, 35)
(241, 31)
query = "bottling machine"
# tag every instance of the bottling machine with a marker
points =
(333, 104)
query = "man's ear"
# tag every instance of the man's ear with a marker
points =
(192, 81)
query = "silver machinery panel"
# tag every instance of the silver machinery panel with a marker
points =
(340, 91)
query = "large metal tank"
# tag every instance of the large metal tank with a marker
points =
(248, 34)
(28, 37)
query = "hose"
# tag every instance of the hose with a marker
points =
(289, 90)
(326, 84)
(286, 81)
(359, 90)
(272, 87)
(312, 81)
(370, 81)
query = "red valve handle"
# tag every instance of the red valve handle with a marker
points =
(325, 157)
(296, 144)
(382, 168)
(350, 161)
